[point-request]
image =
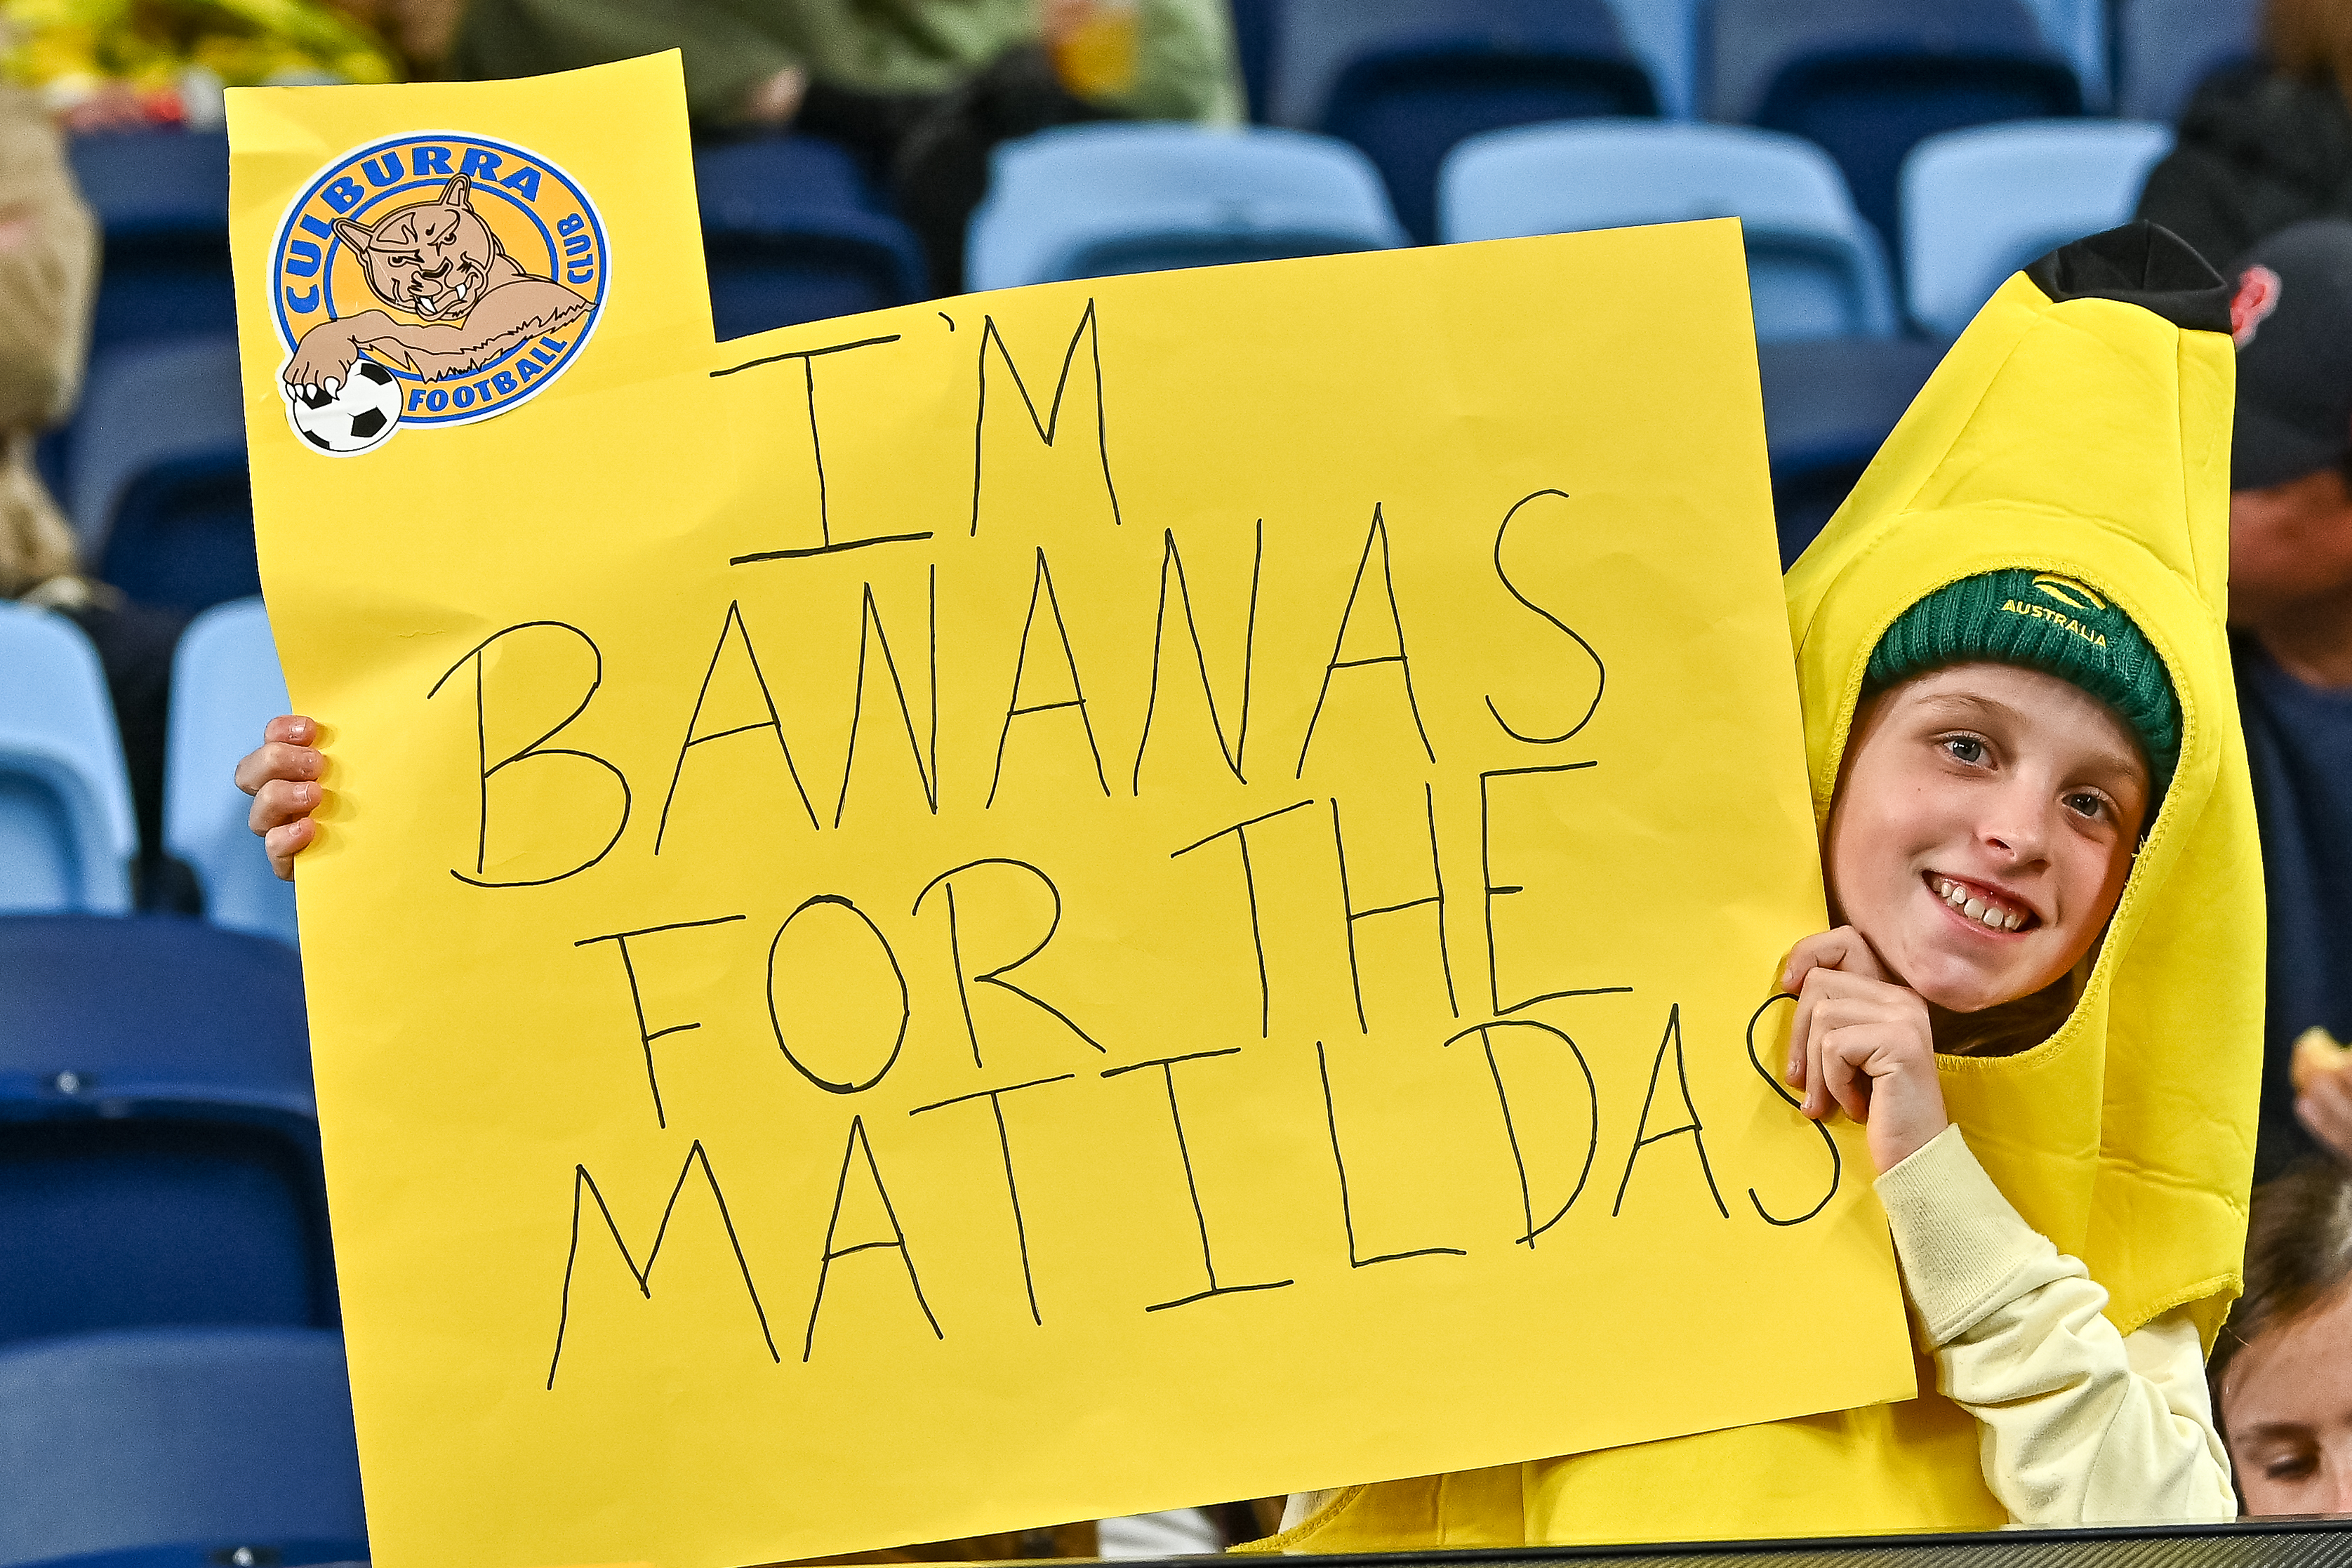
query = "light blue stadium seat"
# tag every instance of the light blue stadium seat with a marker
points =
(226, 685)
(1815, 268)
(1979, 203)
(67, 831)
(2166, 47)
(1090, 201)
(228, 1445)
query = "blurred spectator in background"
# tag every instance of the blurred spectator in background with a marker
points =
(921, 89)
(2291, 613)
(48, 272)
(2282, 1370)
(116, 64)
(2267, 144)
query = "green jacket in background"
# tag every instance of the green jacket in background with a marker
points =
(1184, 52)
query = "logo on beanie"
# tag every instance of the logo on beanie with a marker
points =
(2067, 592)
(2257, 297)
(2061, 591)
(430, 278)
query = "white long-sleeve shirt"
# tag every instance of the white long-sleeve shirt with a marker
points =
(2079, 1424)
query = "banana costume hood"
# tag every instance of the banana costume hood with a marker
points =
(2080, 426)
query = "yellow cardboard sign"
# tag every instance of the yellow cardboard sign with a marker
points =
(1037, 906)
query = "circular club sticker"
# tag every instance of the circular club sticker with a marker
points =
(430, 278)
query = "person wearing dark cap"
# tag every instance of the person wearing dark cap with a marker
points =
(2291, 615)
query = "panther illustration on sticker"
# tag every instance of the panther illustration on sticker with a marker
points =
(432, 279)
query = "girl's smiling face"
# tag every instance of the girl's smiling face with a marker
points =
(1983, 828)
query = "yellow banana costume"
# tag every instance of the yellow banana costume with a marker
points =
(2081, 427)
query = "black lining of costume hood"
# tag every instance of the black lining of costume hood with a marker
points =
(2141, 264)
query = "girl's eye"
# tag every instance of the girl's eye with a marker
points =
(1965, 749)
(2289, 1470)
(2087, 806)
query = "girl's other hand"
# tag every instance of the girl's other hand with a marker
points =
(282, 778)
(1864, 1044)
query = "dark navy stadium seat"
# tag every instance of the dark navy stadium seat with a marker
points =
(178, 1448)
(160, 1161)
(790, 235)
(162, 201)
(1257, 24)
(1829, 405)
(1406, 80)
(183, 534)
(1867, 80)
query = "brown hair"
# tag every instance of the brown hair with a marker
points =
(2298, 1254)
(2310, 39)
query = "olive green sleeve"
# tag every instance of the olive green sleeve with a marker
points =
(1185, 67)
(727, 53)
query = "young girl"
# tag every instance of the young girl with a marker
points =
(2282, 1374)
(2043, 994)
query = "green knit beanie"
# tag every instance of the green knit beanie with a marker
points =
(2056, 625)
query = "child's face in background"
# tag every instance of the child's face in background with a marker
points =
(2286, 1403)
(1977, 791)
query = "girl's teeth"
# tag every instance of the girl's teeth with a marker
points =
(1974, 909)
(1996, 918)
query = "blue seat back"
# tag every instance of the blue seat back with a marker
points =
(2079, 30)
(161, 202)
(1868, 79)
(1088, 201)
(2165, 48)
(158, 1140)
(1664, 33)
(1406, 80)
(67, 832)
(226, 685)
(1257, 25)
(1814, 267)
(142, 405)
(207, 1439)
(791, 234)
(1981, 203)
(182, 537)
(1829, 405)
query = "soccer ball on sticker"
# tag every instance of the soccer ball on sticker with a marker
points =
(360, 413)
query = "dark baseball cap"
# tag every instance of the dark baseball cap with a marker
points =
(2292, 318)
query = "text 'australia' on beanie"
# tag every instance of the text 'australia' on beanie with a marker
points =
(2052, 624)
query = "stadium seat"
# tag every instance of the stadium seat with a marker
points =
(1664, 35)
(1091, 201)
(2166, 48)
(226, 685)
(182, 537)
(178, 1448)
(1828, 407)
(144, 405)
(1979, 203)
(1256, 24)
(1404, 80)
(2078, 29)
(160, 1162)
(1868, 79)
(790, 235)
(1815, 268)
(67, 831)
(159, 496)
(162, 201)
